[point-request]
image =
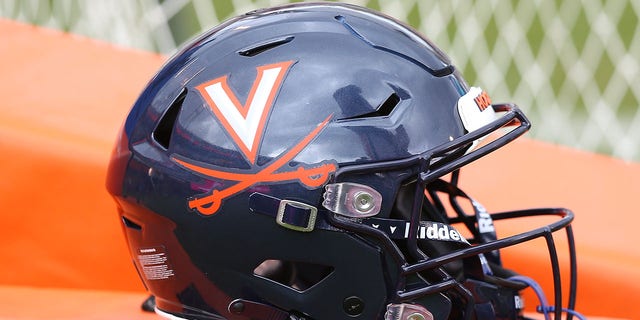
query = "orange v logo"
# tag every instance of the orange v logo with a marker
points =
(246, 123)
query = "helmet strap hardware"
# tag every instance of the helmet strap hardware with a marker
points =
(256, 310)
(296, 215)
(407, 311)
(352, 200)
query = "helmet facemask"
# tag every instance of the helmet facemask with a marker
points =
(435, 256)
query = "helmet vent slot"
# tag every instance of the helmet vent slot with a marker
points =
(383, 110)
(164, 129)
(387, 106)
(264, 46)
(299, 276)
(130, 224)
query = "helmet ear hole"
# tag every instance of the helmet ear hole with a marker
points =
(279, 271)
(295, 275)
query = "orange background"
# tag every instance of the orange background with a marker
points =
(64, 97)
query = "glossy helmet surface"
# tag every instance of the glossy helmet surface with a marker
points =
(290, 164)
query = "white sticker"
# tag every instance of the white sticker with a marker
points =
(475, 109)
(154, 263)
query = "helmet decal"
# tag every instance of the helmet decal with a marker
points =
(245, 123)
(311, 177)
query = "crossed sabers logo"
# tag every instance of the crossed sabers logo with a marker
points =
(246, 125)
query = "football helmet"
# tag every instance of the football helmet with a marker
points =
(302, 162)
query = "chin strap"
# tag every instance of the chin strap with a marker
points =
(544, 306)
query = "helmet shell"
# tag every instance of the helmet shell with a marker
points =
(354, 87)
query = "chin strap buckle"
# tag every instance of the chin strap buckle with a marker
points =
(407, 311)
(296, 215)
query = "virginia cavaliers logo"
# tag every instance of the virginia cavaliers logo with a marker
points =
(245, 124)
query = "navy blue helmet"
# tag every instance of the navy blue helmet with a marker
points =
(302, 162)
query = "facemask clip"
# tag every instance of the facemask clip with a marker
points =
(352, 200)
